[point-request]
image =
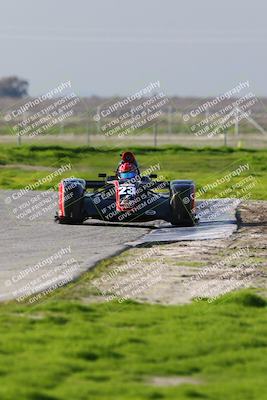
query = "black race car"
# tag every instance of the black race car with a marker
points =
(136, 199)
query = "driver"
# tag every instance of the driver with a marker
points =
(127, 170)
(128, 167)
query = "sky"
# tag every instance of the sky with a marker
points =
(116, 47)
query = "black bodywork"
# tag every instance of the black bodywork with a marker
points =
(116, 200)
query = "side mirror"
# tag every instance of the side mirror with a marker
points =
(102, 175)
(153, 176)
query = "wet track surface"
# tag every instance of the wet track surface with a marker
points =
(37, 253)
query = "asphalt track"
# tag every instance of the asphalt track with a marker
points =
(38, 255)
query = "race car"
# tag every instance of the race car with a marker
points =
(128, 196)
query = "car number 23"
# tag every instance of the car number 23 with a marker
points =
(127, 189)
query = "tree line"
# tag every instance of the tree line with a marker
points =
(13, 86)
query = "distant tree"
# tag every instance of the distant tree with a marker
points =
(12, 86)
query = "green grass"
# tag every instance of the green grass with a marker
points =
(63, 349)
(66, 350)
(190, 263)
(204, 165)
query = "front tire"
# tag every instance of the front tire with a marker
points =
(71, 193)
(182, 203)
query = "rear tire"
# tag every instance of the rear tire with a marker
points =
(182, 203)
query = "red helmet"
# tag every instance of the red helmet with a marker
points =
(127, 170)
(128, 157)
